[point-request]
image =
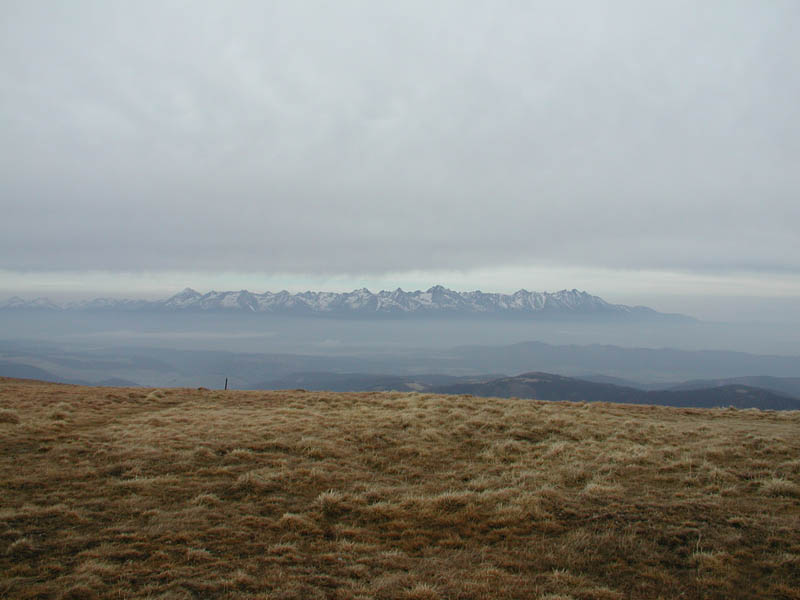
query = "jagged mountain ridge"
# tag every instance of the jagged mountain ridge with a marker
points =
(17, 302)
(433, 301)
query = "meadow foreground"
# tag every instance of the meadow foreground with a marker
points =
(183, 493)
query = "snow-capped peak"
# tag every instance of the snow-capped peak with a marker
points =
(436, 300)
(39, 303)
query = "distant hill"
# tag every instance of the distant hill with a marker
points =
(364, 382)
(435, 301)
(787, 386)
(25, 371)
(545, 386)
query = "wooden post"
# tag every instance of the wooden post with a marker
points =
(226, 383)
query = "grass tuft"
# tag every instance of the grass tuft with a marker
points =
(21, 547)
(778, 486)
(9, 416)
(422, 591)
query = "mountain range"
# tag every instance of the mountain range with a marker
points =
(436, 300)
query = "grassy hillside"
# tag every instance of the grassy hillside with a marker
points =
(178, 493)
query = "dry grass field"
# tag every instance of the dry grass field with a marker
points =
(181, 493)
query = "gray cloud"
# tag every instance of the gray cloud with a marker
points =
(363, 137)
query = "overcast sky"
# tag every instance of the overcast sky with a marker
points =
(647, 145)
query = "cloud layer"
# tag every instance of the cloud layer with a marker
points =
(359, 137)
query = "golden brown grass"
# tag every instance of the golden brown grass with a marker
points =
(177, 493)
